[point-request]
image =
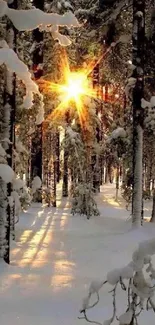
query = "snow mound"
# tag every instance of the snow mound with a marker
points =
(6, 173)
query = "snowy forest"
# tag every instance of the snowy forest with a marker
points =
(77, 162)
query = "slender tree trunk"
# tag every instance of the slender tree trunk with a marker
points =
(58, 156)
(153, 208)
(36, 146)
(148, 178)
(138, 92)
(65, 164)
(65, 174)
(117, 181)
(53, 168)
(96, 159)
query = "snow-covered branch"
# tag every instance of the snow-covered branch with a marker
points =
(14, 64)
(132, 279)
(27, 20)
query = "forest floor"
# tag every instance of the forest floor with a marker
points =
(56, 256)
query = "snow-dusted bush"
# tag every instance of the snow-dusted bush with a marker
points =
(21, 195)
(25, 198)
(133, 279)
(83, 201)
(46, 195)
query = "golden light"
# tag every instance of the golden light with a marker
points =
(77, 85)
(72, 92)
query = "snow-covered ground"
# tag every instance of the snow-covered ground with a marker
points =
(56, 256)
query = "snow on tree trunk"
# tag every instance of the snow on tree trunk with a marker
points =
(138, 174)
(138, 90)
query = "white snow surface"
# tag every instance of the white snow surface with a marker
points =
(57, 256)
(6, 173)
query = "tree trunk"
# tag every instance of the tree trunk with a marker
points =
(153, 208)
(36, 146)
(58, 156)
(8, 132)
(65, 163)
(117, 181)
(53, 168)
(96, 159)
(65, 174)
(138, 93)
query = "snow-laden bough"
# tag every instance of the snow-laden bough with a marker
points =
(133, 280)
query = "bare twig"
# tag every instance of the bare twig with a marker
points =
(114, 303)
(88, 320)
(141, 309)
(96, 302)
(129, 292)
(122, 284)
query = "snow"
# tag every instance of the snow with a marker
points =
(71, 132)
(126, 318)
(36, 184)
(152, 101)
(20, 147)
(2, 151)
(124, 273)
(26, 20)
(14, 64)
(17, 184)
(6, 173)
(56, 257)
(40, 116)
(145, 103)
(16, 199)
(139, 14)
(118, 133)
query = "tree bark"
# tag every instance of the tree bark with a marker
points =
(36, 146)
(138, 93)
(9, 132)
(65, 174)
(96, 159)
(153, 208)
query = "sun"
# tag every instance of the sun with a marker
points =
(76, 85)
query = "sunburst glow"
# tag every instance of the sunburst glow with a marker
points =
(72, 91)
(76, 86)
